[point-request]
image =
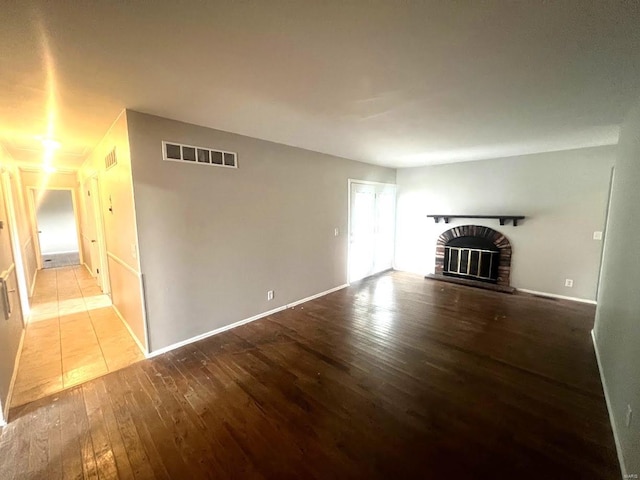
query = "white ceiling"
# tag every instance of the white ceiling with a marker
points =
(395, 82)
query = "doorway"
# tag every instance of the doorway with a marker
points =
(97, 261)
(56, 225)
(371, 228)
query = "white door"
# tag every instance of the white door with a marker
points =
(371, 229)
(92, 232)
(99, 247)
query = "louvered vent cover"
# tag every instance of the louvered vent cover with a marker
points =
(111, 159)
(177, 152)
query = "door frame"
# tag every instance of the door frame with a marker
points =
(31, 200)
(98, 219)
(350, 182)
(606, 227)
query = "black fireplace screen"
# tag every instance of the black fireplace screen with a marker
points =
(475, 258)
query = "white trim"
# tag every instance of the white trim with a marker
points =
(143, 296)
(367, 182)
(241, 322)
(16, 250)
(350, 182)
(133, 335)
(121, 262)
(609, 408)
(33, 214)
(33, 283)
(15, 372)
(62, 252)
(606, 227)
(101, 239)
(317, 295)
(33, 168)
(553, 295)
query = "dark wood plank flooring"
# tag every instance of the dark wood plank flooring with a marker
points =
(394, 377)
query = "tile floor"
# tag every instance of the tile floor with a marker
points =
(60, 260)
(73, 335)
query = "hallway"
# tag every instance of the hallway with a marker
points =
(73, 335)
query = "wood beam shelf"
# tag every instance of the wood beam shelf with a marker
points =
(503, 218)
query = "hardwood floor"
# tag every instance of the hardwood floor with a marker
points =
(395, 377)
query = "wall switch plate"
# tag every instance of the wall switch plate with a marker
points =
(336, 232)
(629, 415)
(134, 251)
(568, 283)
(597, 235)
(270, 295)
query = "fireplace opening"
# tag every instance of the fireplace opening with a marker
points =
(475, 258)
(476, 255)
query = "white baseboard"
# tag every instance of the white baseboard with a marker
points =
(554, 295)
(133, 335)
(62, 252)
(609, 408)
(14, 376)
(242, 322)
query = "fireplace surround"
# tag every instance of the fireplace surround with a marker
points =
(475, 254)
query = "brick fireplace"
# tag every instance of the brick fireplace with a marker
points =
(474, 255)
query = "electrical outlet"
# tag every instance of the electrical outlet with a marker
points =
(568, 283)
(270, 295)
(597, 235)
(629, 415)
(336, 232)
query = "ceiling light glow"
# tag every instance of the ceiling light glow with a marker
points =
(50, 144)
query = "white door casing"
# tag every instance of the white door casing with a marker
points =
(371, 228)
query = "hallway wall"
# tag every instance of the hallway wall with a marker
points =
(116, 198)
(25, 235)
(11, 328)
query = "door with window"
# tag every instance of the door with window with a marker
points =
(371, 228)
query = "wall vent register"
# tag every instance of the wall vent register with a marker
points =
(111, 159)
(177, 152)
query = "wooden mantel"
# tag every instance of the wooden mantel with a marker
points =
(503, 218)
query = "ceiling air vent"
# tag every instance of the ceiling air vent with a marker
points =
(111, 159)
(177, 152)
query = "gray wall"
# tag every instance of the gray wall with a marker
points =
(617, 326)
(563, 195)
(214, 240)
